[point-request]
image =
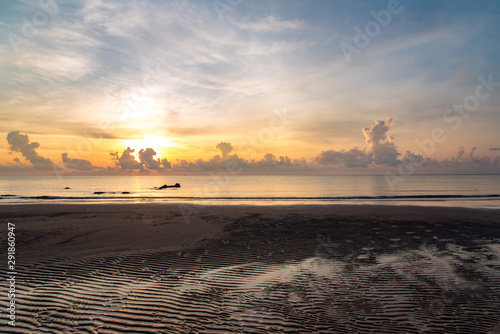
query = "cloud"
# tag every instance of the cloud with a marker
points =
(381, 144)
(225, 149)
(495, 149)
(49, 64)
(272, 48)
(464, 159)
(272, 24)
(381, 149)
(216, 162)
(21, 143)
(126, 160)
(461, 159)
(147, 160)
(78, 164)
(351, 158)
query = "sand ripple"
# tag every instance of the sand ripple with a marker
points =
(349, 278)
(423, 290)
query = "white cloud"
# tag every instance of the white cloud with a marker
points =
(53, 65)
(273, 24)
(272, 48)
(381, 144)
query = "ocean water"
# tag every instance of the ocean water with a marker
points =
(476, 191)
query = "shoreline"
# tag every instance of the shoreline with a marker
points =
(466, 204)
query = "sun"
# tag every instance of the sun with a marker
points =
(156, 142)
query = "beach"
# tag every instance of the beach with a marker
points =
(182, 268)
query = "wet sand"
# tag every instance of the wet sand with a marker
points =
(152, 268)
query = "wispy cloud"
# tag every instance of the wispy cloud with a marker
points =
(273, 24)
(272, 48)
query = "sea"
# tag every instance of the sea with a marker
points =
(471, 191)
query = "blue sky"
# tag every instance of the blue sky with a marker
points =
(182, 76)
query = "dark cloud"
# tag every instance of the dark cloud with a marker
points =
(224, 148)
(184, 165)
(21, 143)
(217, 162)
(461, 159)
(270, 160)
(147, 160)
(351, 159)
(126, 160)
(78, 164)
(470, 159)
(166, 164)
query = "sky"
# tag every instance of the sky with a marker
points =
(273, 87)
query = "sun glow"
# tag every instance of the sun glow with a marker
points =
(141, 109)
(156, 142)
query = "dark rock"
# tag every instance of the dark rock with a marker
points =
(177, 185)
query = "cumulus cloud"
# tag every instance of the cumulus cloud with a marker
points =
(21, 143)
(270, 160)
(351, 158)
(224, 148)
(470, 159)
(461, 159)
(166, 164)
(78, 164)
(147, 160)
(126, 160)
(232, 161)
(381, 149)
(381, 144)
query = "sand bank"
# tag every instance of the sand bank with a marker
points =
(153, 268)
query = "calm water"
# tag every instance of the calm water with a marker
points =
(479, 191)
